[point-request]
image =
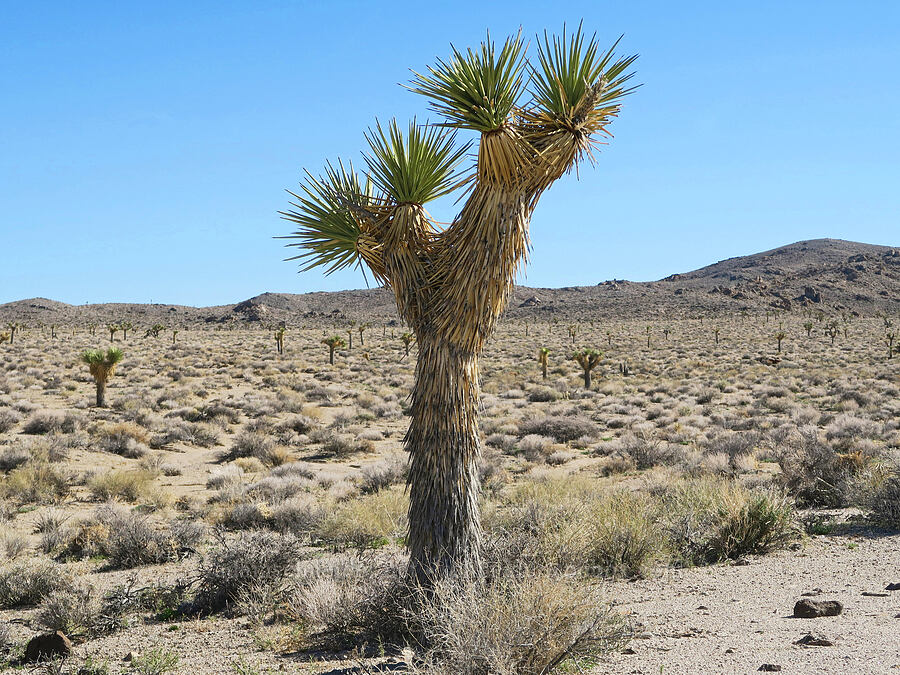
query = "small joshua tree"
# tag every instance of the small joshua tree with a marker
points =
(333, 342)
(13, 327)
(407, 339)
(648, 336)
(573, 331)
(92, 328)
(102, 365)
(113, 328)
(779, 336)
(174, 333)
(889, 338)
(716, 332)
(666, 332)
(831, 330)
(624, 368)
(154, 330)
(279, 339)
(361, 328)
(542, 355)
(125, 326)
(588, 359)
(808, 326)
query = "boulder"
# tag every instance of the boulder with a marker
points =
(47, 646)
(812, 609)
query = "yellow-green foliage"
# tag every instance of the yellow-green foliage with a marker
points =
(371, 520)
(121, 484)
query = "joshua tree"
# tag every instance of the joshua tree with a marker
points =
(362, 327)
(52, 331)
(831, 330)
(573, 331)
(588, 359)
(542, 355)
(13, 327)
(534, 124)
(666, 332)
(407, 338)
(113, 328)
(279, 339)
(175, 332)
(125, 326)
(716, 332)
(92, 328)
(154, 330)
(624, 368)
(648, 335)
(779, 336)
(889, 338)
(808, 326)
(102, 365)
(333, 342)
(608, 339)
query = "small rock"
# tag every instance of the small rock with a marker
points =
(129, 657)
(870, 594)
(702, 607)
(729, 651)
(629, 651)
(47, 646)
(811, 609)
(769, 668)
(893, 587)
(814, 640)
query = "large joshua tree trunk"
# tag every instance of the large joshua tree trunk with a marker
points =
(101, 393)
(443, 442)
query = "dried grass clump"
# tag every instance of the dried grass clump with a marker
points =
(813, 473)
(37, 482)
(74, 610)
(513, 625)
(882, 496)
(12, 457)
(369, 521)
(51, 421)
(129, 485)
(713, 519)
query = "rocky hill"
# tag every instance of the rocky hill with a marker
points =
(833, 275)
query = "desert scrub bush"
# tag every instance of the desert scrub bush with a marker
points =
(126, 439)
(813, 473)
(533, 447)
(51, 421)
(130, 485)
(12, 457)
(27, 582)
(383, 474)
(560, 427)
(713, 519)
(572, 525)
(235, 565)
(37, 482)
(881, 495)
(9, 418)
(511, 625)
(73, 610)
(156, 661)
(259, 445)
(644, 450)
(348, 594)
(340, 445)
(369, 521)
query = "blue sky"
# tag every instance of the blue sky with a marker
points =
(145, 147)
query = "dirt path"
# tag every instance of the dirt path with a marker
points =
(733, 619)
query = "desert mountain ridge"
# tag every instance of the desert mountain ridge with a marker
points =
(833, 275)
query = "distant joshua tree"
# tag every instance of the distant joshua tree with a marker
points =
(716, 332)
(102, 365)
(889, 338)
(666, 332)
(154, 330)
(125, 326)
(361, 328)
(13, 327)
(779, 336)
(279, 339)
(407, 339)
(333, 342)
(831, 330)
(624, 368)
(113, 328)
(588, 359)
(542, 355)
(648, 335)
(573, 331)
(175, 332)
(808, 326)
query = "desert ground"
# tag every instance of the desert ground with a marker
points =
(235, 509)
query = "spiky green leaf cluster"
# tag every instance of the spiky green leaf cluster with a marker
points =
(476, 90)
(328, 228)
(97, 357)
(569, 66)
(416, 168)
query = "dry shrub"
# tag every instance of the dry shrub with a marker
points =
(514, 625)
(126, 439)
(250, 560)
(37, 482)
(28, 582)
(813, 473)
(561, 428)
(644, 450)
(130, 485)
(73, 610)
(13, 457)
(389, 471)
(51, 421)
(8, 419)
(714, 519)
(882, 496)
